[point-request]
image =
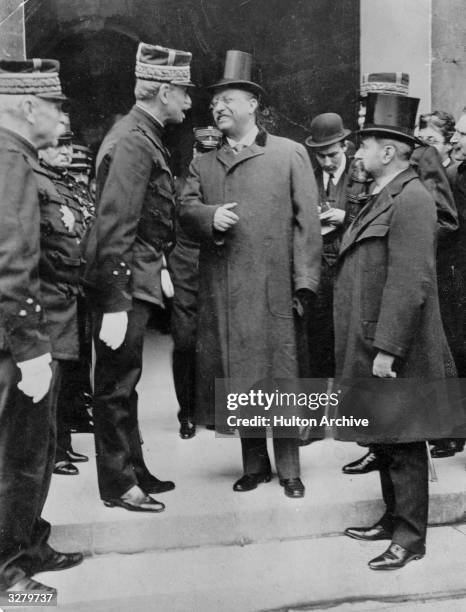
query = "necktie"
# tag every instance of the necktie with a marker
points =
(239, 146)
(330, 189)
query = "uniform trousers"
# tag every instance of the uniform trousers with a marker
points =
(256, 459)
(27, 454)
(405, 490)
(120, 462)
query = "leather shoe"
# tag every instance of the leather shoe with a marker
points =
(363, 465)
(29, 584)
(154, 485)
(395, 557)
(187, 431)
(248, 482)
(370, 534)
(146, 504)
(61, 561)
(65, 468)
(446, 448)
(75, 457)
(293, 487)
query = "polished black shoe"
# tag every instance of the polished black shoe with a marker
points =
(365, 464)
(187, 430)
(395, 557)
(65, 468)
(370, 534)
(30, 585)
(293, 487)
(61, 561)
(446, 448)
(154, 485)
(248, 482)
(75, 457)
(147, 504)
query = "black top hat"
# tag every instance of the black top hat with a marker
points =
(38, 77)
(326, 129)
(391, 115)
(237, 73)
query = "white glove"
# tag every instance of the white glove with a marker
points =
(167, 285)
(36, 375)
(113, 329)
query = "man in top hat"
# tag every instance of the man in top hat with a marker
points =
(134, 227)
(30, 106)
(183, 264)
(388, 326)
(427, 163)
(252, 204)
(328, 143)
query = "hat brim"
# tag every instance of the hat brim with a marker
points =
(326, 143)
(183, 83)
(238, 84)
(53, 97)
(390, 132)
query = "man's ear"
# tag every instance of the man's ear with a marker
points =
(28, 107)
(254, 104)
(163, 91)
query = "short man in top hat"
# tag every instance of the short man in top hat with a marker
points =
(428, 165)
(328, 143)
(388, 326)
(253, 206)
(134, 227)
(183, 264)
(30, 103)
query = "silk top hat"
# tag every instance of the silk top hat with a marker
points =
(385, 82)
(390, 115)
(207, 137)
(155, 63)
(37, 77)
(237, 73)
(326, 129)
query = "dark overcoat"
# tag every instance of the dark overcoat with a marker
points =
(247, 276)
(135, 215)
(386, 300)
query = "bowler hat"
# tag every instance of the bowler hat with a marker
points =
(38, 77)
(385, 82)
(391, 115)
(156, 63)
(237, 73)
(326, 129)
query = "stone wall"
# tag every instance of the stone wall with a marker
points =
(12, 29)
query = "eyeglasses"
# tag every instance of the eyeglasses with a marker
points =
(226, 100)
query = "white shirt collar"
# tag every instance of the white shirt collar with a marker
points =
(337, 174)
(385, 180)
(247, 140)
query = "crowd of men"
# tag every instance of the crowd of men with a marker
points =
(348, 269)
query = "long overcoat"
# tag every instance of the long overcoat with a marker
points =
(248, 276)
(386, 300)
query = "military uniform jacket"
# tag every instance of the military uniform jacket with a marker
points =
(135, 215)
(22, 328)
(61, 231)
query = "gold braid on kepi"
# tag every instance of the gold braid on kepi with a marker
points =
(156, 63)
(385, 83)
(37, 77)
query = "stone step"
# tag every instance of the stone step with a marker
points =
(287, 575)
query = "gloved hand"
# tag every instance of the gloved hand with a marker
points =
(166, 282)
(304, 301)
(36, 375)
(113, 329)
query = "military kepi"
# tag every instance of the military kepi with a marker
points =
(391, 115)
(237, 73)
(37, 77)
(156, 63)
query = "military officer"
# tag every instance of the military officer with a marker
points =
(30, 102)
(134, 227)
